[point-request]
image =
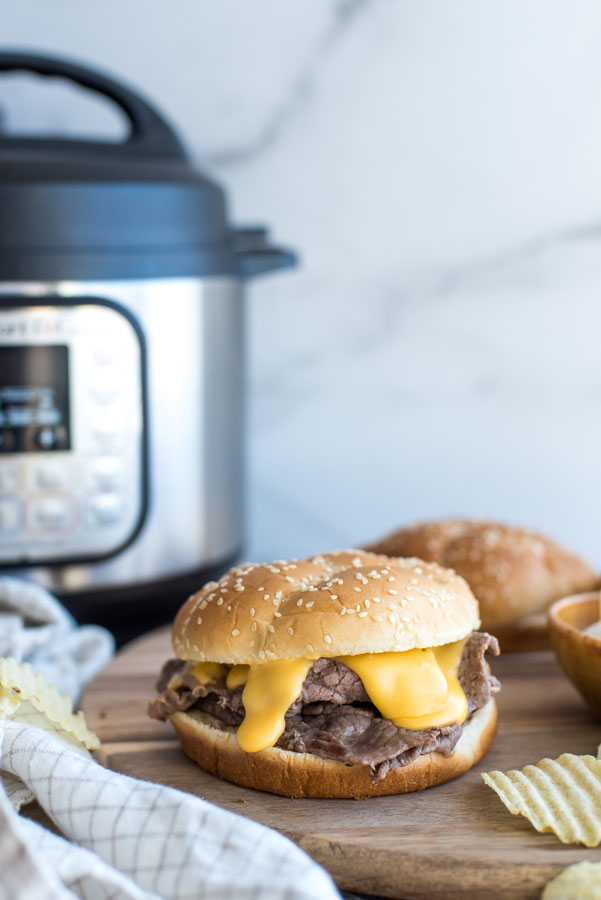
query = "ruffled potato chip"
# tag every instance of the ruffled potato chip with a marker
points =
(559, 795)
(26, 697)
(581, 881)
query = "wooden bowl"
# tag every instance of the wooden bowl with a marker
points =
(579, 654)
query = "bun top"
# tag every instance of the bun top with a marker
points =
(512, 572)
(346, 602)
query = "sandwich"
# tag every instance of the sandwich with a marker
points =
(515, 574)
(347, 674)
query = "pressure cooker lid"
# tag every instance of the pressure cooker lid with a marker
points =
(76, 209)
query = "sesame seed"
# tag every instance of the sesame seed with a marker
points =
(393, 592)
(239, 587)
(203, 604)
(251, 643)
(252, 610)
(366, 604)
(235, 632)
(290, 630)
(327, 638)
(362, 615)
(199, 620)
(261, 654)
(343, 611)
(310, 603)
(391, 578)
(266, 596)
(289, 578)
(309, 648)
(358, 589)
(391, 619)
(278, 615)
(334, 596)
(299, 602)
(261, 589)
(253, 627)
(270, 628)
(376, 599)
(278, 594)
(229, 608)
(377, 618)
(275, 601)
(220, 601)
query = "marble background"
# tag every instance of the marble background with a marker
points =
(438, 167)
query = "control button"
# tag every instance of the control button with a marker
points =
(8, 440)
(51, 475)
(50, 512)
(106, 472)
(9, 477)
(107, 430)
(104, 509)
(48, 438)
(104, 391)
(103, 354)
(10, 515)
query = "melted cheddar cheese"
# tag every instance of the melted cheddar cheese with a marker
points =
(415, 689)
(270, 689)
(205, 672)
(236, 677)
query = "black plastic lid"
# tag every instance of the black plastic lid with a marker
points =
(91, 210)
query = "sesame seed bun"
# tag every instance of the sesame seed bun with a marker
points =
(347, 602)
(305, 775)
(515, 574)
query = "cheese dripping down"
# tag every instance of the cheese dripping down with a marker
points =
(415, 689)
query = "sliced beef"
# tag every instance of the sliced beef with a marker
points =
(226, 704)
(333, 716)
(360, 736)
(172, 667)
(474, 677)
(330, 681)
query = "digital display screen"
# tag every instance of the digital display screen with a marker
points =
(34, 399)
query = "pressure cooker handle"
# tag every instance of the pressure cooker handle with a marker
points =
(150, 134)
(257, 256)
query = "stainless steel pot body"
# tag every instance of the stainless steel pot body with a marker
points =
(182, 489)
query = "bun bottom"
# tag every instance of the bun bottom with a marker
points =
(523, 636)
(294, 774)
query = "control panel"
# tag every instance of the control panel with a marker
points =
(72, 431)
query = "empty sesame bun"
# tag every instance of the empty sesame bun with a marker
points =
(305, 775)
(515, 574)
(346, 602)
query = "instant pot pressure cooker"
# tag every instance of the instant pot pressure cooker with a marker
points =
(121, 361)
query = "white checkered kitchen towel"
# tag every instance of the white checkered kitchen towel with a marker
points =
(123, 839)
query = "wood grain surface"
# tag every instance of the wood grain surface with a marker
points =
(449, 842)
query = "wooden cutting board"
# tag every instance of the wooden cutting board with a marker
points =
(449, 842)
